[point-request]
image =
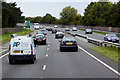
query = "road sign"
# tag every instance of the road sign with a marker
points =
(110, 28)
(27, 24)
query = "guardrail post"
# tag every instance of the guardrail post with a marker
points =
(105, 45)
(101, 44)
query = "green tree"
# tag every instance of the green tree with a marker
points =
(48, 18)
(67, 14)
(10, 14)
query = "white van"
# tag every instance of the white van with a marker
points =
(36, 26)
(21, 48)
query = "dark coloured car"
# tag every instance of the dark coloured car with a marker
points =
(59, 35)
(111, 38)
(68, 43)
(49, 29)
(67, 29)
(54, 31)
(88, 31)
(39, 39)
(43, 31)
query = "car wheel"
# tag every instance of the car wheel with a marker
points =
(11, 61)
(61, 50)
(76, 49)
(45, 43)
(35, 57)
(32, 61)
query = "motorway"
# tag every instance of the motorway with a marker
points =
(51, 63)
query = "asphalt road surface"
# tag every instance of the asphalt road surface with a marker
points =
(51, 63)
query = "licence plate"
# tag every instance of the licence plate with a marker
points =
(16, 51)
(59, 35)
(39, 40)
(69, 43)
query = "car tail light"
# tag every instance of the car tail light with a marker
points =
(43, 38)
(62, 44)
(31, 49)
(9, 47)
(75, 43)
(35, 39)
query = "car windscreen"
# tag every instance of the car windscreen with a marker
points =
(42, 30)
(112, 35)
(68, 39)
(39, 36)
(88, 30)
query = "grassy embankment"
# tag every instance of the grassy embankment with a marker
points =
(6, 37)
(110, 52)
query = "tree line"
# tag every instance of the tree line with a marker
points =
(105, 14)
(96, 14)
(11, 15)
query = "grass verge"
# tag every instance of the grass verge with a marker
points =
(111, 53)
(6, 37)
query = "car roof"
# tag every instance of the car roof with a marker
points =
(22, 38)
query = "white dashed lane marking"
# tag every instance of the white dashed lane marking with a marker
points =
(44, 67)
(46, 55)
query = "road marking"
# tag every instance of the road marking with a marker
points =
(3, 51)
(44, 67)
(115, 71)
(46, 55)
(48, 49)
(48, 45)
(4, 55)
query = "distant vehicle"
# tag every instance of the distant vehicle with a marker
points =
(54, 31)
(88, 31)
(74, 29)
(36, 26)
(111, 38)
(68, 43)
(59, 35)
(43, 31)
(21, 48)
(40, 39)
(67, 29)
(41, 27)
(49, 29)
(55, 26)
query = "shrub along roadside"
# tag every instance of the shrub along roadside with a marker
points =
(111, 53)
(6, 37)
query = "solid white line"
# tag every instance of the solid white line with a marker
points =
(48, 45)
(46, 55)
(3, 51)
(44, 67)
(115, 71)
(4, 55)
(48, 49)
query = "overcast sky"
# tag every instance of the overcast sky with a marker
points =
(33, 8)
